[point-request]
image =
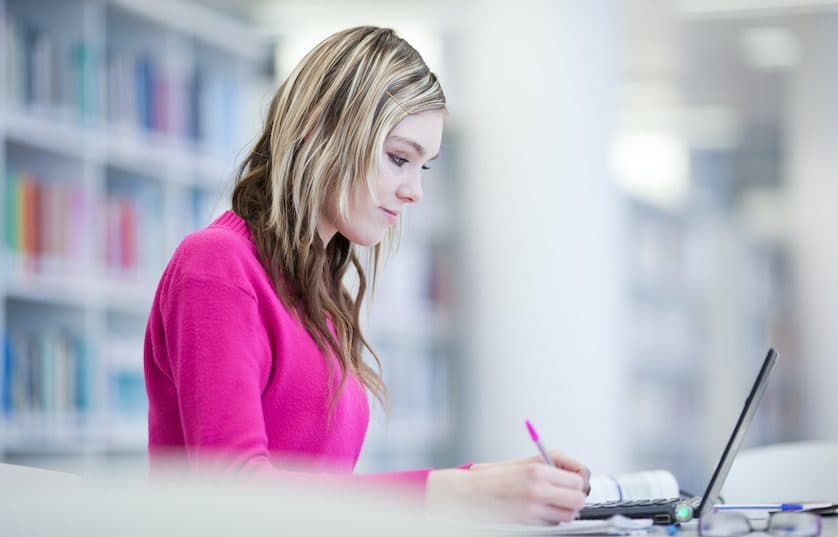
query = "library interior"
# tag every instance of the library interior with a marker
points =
(633, 202)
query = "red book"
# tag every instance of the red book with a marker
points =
(128, 235)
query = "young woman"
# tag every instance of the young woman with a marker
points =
(253, 350)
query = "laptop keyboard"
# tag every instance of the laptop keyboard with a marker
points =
(694, 501)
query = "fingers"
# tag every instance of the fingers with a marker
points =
(573, 500)
(551, 504)
(586, 477)
(568, 463)
(548, 514)
(534, 493)
(558, 477)
(556, 487)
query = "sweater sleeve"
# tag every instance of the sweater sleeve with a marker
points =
(220, 361)
(219, 358)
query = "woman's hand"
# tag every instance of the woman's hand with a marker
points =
(560, 460)
(524, 490)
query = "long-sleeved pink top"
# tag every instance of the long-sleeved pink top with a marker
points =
(230, 372)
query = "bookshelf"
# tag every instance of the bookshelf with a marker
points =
(121, 124)
(708, 293)
(158, 100)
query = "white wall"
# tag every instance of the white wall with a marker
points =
(813, 163)
(541, 266)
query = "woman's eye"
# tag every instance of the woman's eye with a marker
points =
(398, 161)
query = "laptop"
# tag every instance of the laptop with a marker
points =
(683, 509)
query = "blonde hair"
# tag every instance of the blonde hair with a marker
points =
(323, 136)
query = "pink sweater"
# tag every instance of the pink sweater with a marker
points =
(229, 371)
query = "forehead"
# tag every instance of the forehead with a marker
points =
(425, 128)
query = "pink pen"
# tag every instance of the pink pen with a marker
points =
(534, 436)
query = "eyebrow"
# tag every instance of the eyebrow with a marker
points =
(412, 143)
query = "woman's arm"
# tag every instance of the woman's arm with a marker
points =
(219, 382)
(219, 361)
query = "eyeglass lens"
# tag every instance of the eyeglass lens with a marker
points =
(730, 524)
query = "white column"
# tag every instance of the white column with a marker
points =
(813, 189)
(541, 212)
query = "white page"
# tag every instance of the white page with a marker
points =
(633, 486)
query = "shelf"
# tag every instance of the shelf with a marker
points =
(54, 435)
(144, 175)
(236, 38)
(122, 182)
(76, 288)
(125, 296)
(44, 132)
(47, 288)
(134, 151)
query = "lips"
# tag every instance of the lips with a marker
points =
(388, 211)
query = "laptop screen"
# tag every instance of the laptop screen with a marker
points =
(711, 495)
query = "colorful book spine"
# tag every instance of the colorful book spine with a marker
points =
(44, 218)
(6, 387)
(132, 231)
(49, 73)
(46, 372)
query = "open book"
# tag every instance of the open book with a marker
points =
(633, 486)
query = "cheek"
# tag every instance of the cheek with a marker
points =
(360, 202)
(386, 186)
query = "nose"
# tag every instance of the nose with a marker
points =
(410, 191)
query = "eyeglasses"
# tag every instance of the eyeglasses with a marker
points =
(732, 524)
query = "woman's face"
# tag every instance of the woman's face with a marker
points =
(408, 148)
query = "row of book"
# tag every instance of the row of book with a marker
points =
(46, 224)
(52, 74)
(49, 72)
(44, 219)
(46, 372)
(147, 94)
(133, 230)
(132, 215)
(126, 381)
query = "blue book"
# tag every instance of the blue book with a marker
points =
(29, 38)
(196, 84)
(79, 374)
(143, 80)
(8, 371)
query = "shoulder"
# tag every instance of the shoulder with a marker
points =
(216, 253)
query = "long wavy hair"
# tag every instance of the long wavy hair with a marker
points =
(323, 136)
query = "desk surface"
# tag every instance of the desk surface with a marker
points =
(830, 528)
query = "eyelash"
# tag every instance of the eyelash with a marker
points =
(396, 160)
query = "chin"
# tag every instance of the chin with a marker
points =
(365, 237)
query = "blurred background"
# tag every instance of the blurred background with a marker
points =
(634, 200)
